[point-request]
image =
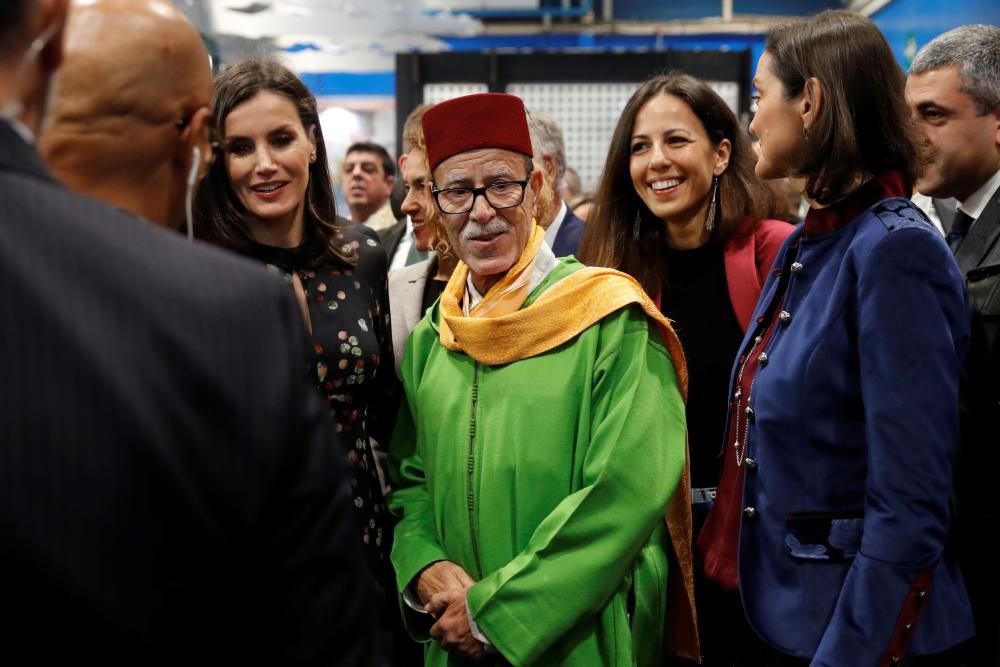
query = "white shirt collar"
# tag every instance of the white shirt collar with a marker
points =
(978, 200)
(553, 231)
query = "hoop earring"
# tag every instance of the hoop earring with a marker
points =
(710, 220)
(637, 226)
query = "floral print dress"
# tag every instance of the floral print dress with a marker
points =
(352, 367)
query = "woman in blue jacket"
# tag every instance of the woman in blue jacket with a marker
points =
(832, 518)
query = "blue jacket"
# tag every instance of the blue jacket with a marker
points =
(567, 240)
(845, 536)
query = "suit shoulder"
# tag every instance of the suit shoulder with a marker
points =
(387, 234)
(75, 237)
(895, 233)
(900, 213)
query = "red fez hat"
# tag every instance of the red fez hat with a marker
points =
(485, 120)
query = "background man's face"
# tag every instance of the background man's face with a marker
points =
(364, 180)
(964, 147)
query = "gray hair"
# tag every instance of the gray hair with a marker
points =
(571, 181)
(547, 139)
(975, 49)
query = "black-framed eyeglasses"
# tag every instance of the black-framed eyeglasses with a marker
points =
(502, 194)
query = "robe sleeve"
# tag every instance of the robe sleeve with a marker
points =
(912, 331)
(581, 552)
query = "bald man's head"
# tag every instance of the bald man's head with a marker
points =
(131, 101)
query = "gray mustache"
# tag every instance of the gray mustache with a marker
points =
(474, 231)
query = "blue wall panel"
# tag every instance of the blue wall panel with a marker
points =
(367, 84)
(784, 7)
(644, 10)
(664, 10)
(909, 24)
(564, 41)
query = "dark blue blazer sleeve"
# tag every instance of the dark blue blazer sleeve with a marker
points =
(912, 333)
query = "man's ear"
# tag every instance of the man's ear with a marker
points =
(196, 134)
(549, 164)
(535, 181)
(53, 15)
(996, 128)
(811, 102)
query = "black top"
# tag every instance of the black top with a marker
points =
(432, 290)
(349, 315)
(696, 298)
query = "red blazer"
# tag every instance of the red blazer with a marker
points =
(748, 262)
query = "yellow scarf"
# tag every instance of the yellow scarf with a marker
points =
(565, 310)
(508, 295)
(498, 331)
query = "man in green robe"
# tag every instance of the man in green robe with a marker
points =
(542, 436)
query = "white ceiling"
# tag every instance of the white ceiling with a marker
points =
(335, 18)
(340, 35)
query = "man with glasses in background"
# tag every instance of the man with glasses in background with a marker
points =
(533, 388)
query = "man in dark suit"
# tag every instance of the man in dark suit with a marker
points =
(563, 229)
(170, 489)
(954, 94)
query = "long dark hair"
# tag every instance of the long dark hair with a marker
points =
(608, 238)
(863, 126)
(220, 216)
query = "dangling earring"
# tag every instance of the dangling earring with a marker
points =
(710, 220)
(636, 225)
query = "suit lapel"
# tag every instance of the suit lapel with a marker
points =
(982, 237)
(412, 312)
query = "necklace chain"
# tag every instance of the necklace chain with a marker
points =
(741, 450)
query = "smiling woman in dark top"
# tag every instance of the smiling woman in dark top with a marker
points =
(269, 197)
(679, 208)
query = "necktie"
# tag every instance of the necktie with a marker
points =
(959, 228)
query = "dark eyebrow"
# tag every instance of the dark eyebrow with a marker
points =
(930, 105)
(669, 130)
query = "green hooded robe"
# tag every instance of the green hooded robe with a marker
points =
(547, 480)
